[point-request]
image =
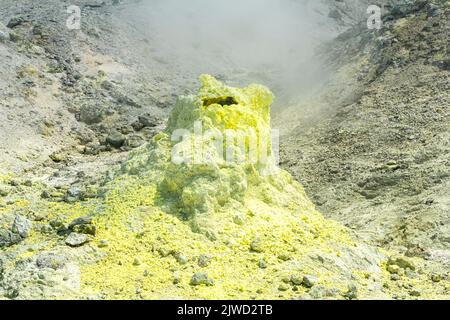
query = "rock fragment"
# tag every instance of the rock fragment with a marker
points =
(83, 225)
(91, 114)
(352, 292)
(256, 246)
(148, 121)
(50, 260)
(134, 141)
(201, 278)
(262, 264)
(21, 226)
(8, 238)
(14, 22)
(77, 239)
(204, 260)
(309, 281)
(296, 279)
(116, 139)
(73, 194)
(283, 287)
(80, 221)
(402, 262)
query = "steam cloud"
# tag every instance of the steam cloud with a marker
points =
(254, 36)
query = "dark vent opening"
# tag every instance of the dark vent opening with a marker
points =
(223, 101)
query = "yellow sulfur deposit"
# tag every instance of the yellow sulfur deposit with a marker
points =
(178, 220)
(217, 230)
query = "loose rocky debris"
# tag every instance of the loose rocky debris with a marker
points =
(21, 226)
(201, 278)
(375, 156)
(76, 239)
(8, 238)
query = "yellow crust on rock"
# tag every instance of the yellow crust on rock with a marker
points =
(161, 218)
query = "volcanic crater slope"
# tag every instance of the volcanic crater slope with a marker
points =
(166, 230)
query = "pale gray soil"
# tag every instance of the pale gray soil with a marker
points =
(377, 157)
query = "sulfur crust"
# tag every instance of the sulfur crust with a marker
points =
(157, 218)
(157, 212)
(144, 223)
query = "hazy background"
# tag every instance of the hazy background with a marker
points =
(271, 41)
